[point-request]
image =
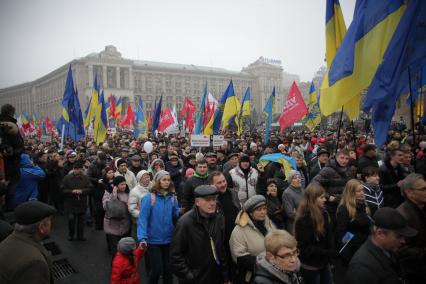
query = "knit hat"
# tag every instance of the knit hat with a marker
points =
(160, 174)
(292, 174)
(254, 202)
(118, 179)
(244, 158)
(189, 172)
(126, 245)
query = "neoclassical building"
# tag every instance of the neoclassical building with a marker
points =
(132, 78)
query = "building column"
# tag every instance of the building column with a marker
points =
(90, 70)
(117, 77)
(104, 76)
(131, 79)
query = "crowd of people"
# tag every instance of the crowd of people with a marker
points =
(218, 215)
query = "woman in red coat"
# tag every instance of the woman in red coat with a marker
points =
(125, 263)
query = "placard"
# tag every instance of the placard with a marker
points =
(218, 140)
(200, 140)
(46, 139)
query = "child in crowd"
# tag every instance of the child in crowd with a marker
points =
(125, 263)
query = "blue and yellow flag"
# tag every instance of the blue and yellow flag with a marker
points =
(199, 121)
(216, 123)
(231, 110)
(314, 116)
(245, 104)
(269, 111)
(360, 54)
(100, 126)
(93, 104)
(287, 162)
(141, 123)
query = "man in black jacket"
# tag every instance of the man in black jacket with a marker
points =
(375, 261)
(391, 176)
(368, 158)
(199, 178)
(197, 249)
(413, 255)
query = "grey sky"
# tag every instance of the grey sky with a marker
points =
(38, 36)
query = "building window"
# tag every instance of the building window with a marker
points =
(111, 77)
(97, 72)
(124, 78)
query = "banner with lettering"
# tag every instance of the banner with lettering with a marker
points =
(294, 108)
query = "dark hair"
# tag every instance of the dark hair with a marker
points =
(212, 175)
(8, 109)
(201, 162)
(369, 171)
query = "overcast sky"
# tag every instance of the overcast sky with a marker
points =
(38, 36)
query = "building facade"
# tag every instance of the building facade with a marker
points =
(132, 78)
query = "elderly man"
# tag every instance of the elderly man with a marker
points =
(413, 255)
(197, 250)
(375, 260)
(24, 259)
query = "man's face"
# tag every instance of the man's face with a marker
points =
(391, 240)
(342, 160)
(418, 193)
(72, 158)
(299, 162)
(124, 154)
(211, 160)
(398, 157)
(323, 158)
(245, 165)
(136, 163)
(206, 205)
(371, 153)
(234, 160)
(78, 171)
(43, 158)
(174, 162)
(45, 227)
(170, 149)
(122, 168)
(202, 169)
(220, 183)
(406, 158)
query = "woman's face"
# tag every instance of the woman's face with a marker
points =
(272, 189)
(259, 214)
(165, 182)
(110, 174)
(321, 201)
(296, 181)
(359, 193)
(121, 186)
(286, 258)
(374, 179)
(157, 166)
(145, 179)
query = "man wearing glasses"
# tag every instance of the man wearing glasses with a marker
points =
(413, 255)
(279, 263)
(376, 261)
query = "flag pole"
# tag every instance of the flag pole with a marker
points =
(412, 118)
(62, 137)
(338, 130)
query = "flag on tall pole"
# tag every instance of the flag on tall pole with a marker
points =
(93, 103)
(269, 110)
(245, 106)
(314, 116)
(141, 123)
(100, 126)
(118, 110)
(156, 115)
(199, 122)
(231, 111)
(187, 114)
(294, 108)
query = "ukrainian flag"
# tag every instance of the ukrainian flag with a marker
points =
(141, 123)
(287, 162)
(216, 122)
(360, 54)
(231, 110)
(93, 103)
(118, 110)
(314, 116)
(100, 126)
(269, 111)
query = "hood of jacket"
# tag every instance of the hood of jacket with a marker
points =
(290, 277)
(151, 166)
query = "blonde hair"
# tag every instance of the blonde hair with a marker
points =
(308, 206)
(278, 239)
(349, 198)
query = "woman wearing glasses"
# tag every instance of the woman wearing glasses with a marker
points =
(279, 263)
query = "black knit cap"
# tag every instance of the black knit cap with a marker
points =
(31, 212)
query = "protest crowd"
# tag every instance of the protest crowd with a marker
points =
(223, 214)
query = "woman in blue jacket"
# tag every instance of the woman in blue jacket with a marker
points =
(27, 187)
(155, 226)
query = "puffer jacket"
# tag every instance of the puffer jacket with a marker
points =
(135, 196)
(246, 243)
(244, 186)
(157, 213)
(123, 272)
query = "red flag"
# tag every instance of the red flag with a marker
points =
(187, 108)
(40, 128)
(129, 118)
(294, 108)
(49, 126)
(112, 110)
(166, 120)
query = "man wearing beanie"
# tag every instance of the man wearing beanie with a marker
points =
(122, 170)
(199, 178)
(197, 249)
(75, 187)
(244, 179)
(23, 258)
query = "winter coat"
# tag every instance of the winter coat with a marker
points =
(123, 272)
(130, 178)
(53, 179)
(30, 175)
(229, 206)
(155, 222)
(175, 174)
(195, 234)
(359, 227)
(315, 169)
(373, 196)
(12, 146)
(291, 199)
(245, 186)
(75, 203)
(246, 243)
(333, 178)
(112, 226)
(267, 273)
(389, 177)
(275, 211)
(94, 173)
(371, 265)
(414, 260)
(135, 196)
(24, 261)
(365, 161)
(314, 252)
(188, 190)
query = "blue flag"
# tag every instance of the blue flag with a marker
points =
(156, 115)
(269, 112)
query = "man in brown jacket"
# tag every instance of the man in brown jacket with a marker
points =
(23, 259)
